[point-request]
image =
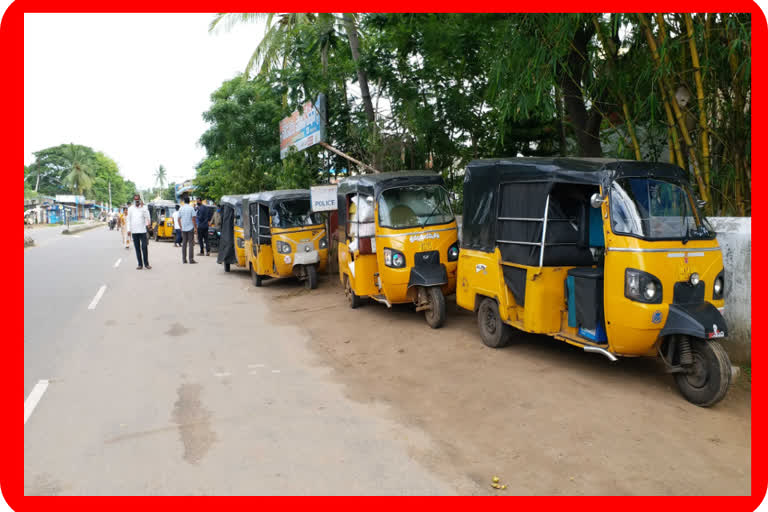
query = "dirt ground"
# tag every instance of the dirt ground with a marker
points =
(543, 416)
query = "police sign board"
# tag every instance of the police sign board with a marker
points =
(323, 198)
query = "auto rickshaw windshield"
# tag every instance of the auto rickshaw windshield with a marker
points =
(414, 206)
(656, 209)
(293, 214)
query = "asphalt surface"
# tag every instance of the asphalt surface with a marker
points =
(177, 381)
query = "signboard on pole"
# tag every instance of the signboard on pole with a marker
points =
(323, 198)
(305, 129)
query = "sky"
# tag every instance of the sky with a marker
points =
(133, 86)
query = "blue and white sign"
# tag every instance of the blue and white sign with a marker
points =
(324, 198)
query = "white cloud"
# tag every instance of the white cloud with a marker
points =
(133, 86)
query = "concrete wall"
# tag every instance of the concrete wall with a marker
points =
(734, 234)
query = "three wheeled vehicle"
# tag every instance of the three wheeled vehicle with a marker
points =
(161, 219)
(231, 243)
(283, 237)
(611, 256)
(398, 241)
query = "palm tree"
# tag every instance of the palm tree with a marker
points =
(77, 164)
(271, 47)
(160, 176)
(273, 44)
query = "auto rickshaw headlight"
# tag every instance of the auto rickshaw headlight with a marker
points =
(642, 287)
(283, 247)
(718, 287)
(323, 243)
(453, 252)
(393, 258)
(694, 279)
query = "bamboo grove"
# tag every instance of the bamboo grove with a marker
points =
(434, 91)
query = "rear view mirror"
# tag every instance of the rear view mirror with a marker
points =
(595, 201)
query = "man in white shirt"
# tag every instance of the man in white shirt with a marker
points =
(176, 228)
(137, 221)
(188, 224)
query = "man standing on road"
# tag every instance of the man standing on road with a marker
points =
(188, 223)
(176, 228)
(203, 217)
(138, 220)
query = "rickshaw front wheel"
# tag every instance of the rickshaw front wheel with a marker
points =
(256, 278)
(352, 298)
(493, 331)
(709, 377)
(310, 281)
(435, 315)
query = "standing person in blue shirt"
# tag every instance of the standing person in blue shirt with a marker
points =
(204, 214)
(188, 223)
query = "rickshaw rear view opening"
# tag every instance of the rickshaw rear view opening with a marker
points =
(611, 256)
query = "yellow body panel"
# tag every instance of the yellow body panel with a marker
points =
(266, 261)
(239, 246)
(629, 325)
(166, 229)
(392, 283)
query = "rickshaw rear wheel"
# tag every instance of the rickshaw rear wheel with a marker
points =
(256, 278)
(709, 377)
(493, 331)
(226, 267)
(352, 298)
(310, 281)
(435, 315)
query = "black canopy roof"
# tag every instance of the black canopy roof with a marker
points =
(376, 183)
(233, 201)
(585, 171)
(270, 197)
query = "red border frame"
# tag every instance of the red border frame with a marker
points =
(11, 377)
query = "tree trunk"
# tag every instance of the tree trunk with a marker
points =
(362, 77)
(586, 125)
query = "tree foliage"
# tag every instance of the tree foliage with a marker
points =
(437, 90)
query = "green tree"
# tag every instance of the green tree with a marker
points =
(78, 162)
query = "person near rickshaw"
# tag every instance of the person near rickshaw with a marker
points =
(137, 220)
(203, 217)
(176, 228)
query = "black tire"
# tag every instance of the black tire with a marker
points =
(712, 374)
(226, 267)
(435, 316)
(256, 278)
(310, 282)
(493, 331)
(354, 300)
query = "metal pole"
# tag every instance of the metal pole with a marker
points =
(544, 233)
(109, 183)
(341, 153)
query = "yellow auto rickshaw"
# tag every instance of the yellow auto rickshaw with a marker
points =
(283, 237)
(398, 241)
(231, 243)
(611, 256)
(161, 218)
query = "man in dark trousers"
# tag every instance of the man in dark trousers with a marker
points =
(203, 217)
(188, 225)
(137, 222)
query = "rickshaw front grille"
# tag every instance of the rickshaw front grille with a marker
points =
(426, 258)
(684, 293)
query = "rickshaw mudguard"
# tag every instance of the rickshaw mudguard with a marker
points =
(701, 320)
(428, 275)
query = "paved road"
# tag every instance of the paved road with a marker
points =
(179, 382)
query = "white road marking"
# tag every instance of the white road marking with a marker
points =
(75, 236)
(255, 366)
(117, 263)
(275, 371)
(254, 372)
(222, 374)
(34, 397)
(97, 298)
